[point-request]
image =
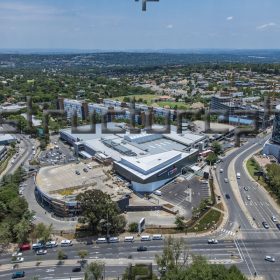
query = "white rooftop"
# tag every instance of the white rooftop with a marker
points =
(147, 166)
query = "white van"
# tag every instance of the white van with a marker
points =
(157, 237)
(145, 238)
(66, 243)
(101, 240)
(129, 239)
(238, 175)
(158, 193)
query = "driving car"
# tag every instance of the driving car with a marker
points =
(269, 259)
(18, 274)
(18, 260)
(265, 225)
(227, 196)
(17, 254)
(76, 269)
(226, 180)
(213, 241)
(41, 252)
(142, 249)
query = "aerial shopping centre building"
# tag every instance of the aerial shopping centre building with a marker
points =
(146, 161)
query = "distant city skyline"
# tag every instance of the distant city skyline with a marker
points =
(122, 25)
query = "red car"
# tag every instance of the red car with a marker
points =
(25, 247)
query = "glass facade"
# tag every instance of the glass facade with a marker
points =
(276, 129)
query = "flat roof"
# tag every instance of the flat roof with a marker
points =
(148, 163)
(6, 137)
(148, 160)
(61, 182)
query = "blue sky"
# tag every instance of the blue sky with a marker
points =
(120, 24)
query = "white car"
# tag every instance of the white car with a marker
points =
(18, 260)
(17, 254)
(89, 166)
(269, 259)
(41, 252)
(213, 241)
(274, 219)
(248, 197)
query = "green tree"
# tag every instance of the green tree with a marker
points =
(94, 271)
(5, 235)
(217, 148)
(142, 270)
(82, 254)
(43, 232)
(211, 158)
(180, 224)
(133, 227)
(21, 230)
(61, 255)
(175, 255)
(100, 212)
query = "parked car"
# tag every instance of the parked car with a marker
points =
(24, 247)
(269, 259)
(278, 226)
(265, 225)
(89, 242)
(274, 219)
(18, 274)
(66, 243)
(77, 172)
(227, 196)
(142, 248)
(37, 246)
(51, 244)
(85, 170)
(246, 189)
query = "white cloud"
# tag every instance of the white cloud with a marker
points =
(230, 18)
(169, 26)
(266, 26)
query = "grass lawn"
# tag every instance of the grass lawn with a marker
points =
(253, 167)
(149, 101)
(211, 218)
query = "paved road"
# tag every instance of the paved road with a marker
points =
(247, 255)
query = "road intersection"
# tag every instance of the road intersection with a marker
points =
(242, 239)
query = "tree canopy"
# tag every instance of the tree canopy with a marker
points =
(100, 212)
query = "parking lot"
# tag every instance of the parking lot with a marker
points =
(56, 153)
(185, 195)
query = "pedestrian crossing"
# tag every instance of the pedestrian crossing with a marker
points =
(228, 232)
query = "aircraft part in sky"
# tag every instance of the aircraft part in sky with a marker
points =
(144, 3)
